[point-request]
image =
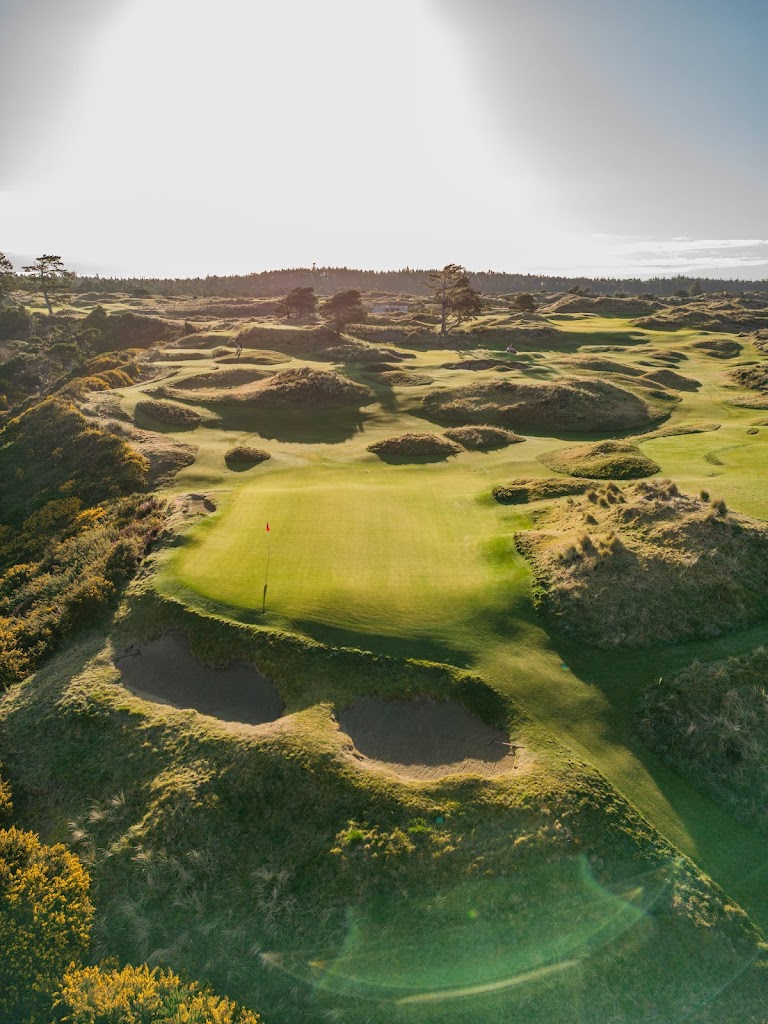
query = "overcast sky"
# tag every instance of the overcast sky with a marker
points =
(185, 137)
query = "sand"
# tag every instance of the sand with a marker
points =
(427, 739)
(165, 670)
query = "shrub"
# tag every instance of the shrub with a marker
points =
(138, 995)
(45, 920)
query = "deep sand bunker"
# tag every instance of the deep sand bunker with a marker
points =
(427, 739)
(165, 670)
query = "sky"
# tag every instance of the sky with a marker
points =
(582, 137)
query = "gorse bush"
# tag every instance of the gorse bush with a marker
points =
(53, 451)
(138, 995)
(45, 921)
(78, 561)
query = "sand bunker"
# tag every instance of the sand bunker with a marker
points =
(165, 670)
(427, 739)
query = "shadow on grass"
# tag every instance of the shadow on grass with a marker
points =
(733, 853)
(297, 426)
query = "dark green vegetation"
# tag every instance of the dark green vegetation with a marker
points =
(710, 722)
(296, 856)
(601, 460)
(701, 569)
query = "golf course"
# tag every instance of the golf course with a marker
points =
(372, 701)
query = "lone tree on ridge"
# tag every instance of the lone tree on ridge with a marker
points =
(52, 276)
(454, 296)
(343, 309)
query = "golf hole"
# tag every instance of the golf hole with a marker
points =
(166, 671)
(428, 739)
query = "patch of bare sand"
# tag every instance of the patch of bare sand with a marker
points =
(427, 739)
(166, 671)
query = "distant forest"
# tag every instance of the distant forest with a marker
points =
(328, 280)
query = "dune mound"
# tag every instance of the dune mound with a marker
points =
(674, 430)
(710, 723)
(603, 460)
(567, 403)
(168, 413)
(749, 402)
(427, 739)
(754, 377)
(220, 385)
(165, 670)
(482, 436)
(404, 445)
(402, 378)
(602, 305)
(245, 455)
(670, 379)
(262, 359)
(596, 364)
(647, 565)
(720, 348)
(479, 364)
(527, 489)
(319, 389)
(166, 456)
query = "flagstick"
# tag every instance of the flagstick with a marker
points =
(266, 574)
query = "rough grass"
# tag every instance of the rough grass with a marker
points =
(168, 413)
(402, 378)
(233, 384)
(755, 377)
(750, 402)
(602, 460)
(244, 454)
(648, 565)
(578, 404)
(525, 490)
(710, 722)
(670, 379)
(415, 444)
(483, 436)
(263, 861)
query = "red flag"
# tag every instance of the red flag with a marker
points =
(267, 527)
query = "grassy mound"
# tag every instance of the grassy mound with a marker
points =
(719, 348)
(527, 489)
(750, 402)
(226, 385)
(483, 436)
(165, 455)
(675, 430)
(603, 460)
(602, 305)
(648, 565)
(402, 378)
(578, 404)
(168, 413)
(597, 364)
(262, 359)
(754, 377)
(710, 722)
(670, 379)
(244, 454)
(319, 389)
(479, 364)
(415, 444)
